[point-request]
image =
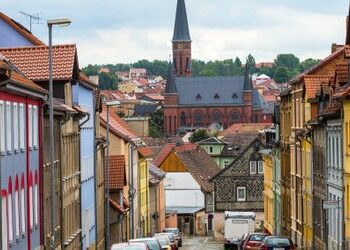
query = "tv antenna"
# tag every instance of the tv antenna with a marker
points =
(33, 18)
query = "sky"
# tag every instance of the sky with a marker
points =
(125, 31)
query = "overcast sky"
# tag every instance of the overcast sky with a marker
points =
(112, 31)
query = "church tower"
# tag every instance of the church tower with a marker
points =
(182, 42)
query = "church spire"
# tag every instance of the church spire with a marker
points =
(247, 79)
(347, 41)
(181, 30)
(170, 86)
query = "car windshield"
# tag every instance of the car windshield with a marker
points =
(163, 241)
(172, 230)
(257, 237)
(169, 235)
(278, 242)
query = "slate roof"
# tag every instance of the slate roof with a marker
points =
(22, 30)
(210, 90)
(145, 109)
(200, 165)
(170, 86)
(117, 175)
(237, 143)
(155, 174)
(34, 61)
(181, 30)
(260, 103)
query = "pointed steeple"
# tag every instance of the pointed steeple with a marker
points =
(170, 82)
(347, 41)
(247, 80)
(181, 30)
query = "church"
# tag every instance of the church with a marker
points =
(194, 102)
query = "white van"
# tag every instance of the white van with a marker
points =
(236, 225)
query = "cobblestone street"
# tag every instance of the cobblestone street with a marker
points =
(200, 243)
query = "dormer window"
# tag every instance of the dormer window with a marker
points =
(234, 96)
(216, 96)
(198, 97)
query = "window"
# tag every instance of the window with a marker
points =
(2, 127)
(22, 207)
(260, 167)
(198, 118)
(226, 163)
(15, 126)
(9, 211)
(8, 127)
(21, 126)
(17, 230)
(241, 194)
(210, 149)
(36, 197)
(252, 167)
(35, 126)
(235, 117)
(30, 190)
(3, 220)
(30, 122)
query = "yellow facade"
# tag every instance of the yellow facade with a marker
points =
(346, 143)
(145, 220)
(268, 195)
(128, 88)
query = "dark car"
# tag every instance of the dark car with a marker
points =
(178, 234)
(253, 241)
(277, 243)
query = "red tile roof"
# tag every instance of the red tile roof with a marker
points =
(22, 30)
(313, 84)
(146, 152)
(117, 175)
(17, 78)
(117, 125)
(244, 127)
(34, 61)
(115, 205)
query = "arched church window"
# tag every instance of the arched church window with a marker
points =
(198, 118)
(216, 116)
(183, 119)
(235, 117)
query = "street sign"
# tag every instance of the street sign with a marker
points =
(330, 204)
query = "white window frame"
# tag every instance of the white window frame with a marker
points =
(244, 191)
(22, 207)
(8, 127)
(30, 129)
(260, 167)
(4, 221)
(17, 209)
(252, 165)
(36, 200)
(2, 128)
(10, 212)
(30, 190)
(35, 127)
(21, 126)
(15, 126)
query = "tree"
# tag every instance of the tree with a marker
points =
(91, 70)
(308, 63)
(156, 124)
(281, 75)
(108, 81)
(251, 64)
(288, 61)
(199, 135)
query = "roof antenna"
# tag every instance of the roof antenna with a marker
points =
(32, 17)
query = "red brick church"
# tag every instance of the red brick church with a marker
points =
(192, 102)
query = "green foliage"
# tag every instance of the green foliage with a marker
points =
(108, 81)
(281, 74)
(308, 63)
(226, 67)
(91, 70)
(121, 114)
(288, 61)
(157, 67)
(199, 135)
(251, 63)
(156, 124)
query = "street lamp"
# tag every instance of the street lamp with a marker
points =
(108, 104)
(50, 23)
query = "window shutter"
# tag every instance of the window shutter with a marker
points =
(8, 126)
(15, 126)
(2, 127)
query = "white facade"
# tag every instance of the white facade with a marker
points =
(335, 183)
(182, 190)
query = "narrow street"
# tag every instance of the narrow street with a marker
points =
(200, 243)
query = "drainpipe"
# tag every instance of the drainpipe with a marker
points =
(343, 184)
(95, 164)
(131, 190)
(295, 157)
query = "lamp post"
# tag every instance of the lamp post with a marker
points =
(107, 215)
(50, 23)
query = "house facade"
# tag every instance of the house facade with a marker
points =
(21, 105)
(240, 186)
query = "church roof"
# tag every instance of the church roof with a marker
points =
(210, 90)
(181, 30)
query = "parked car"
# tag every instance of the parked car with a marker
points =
(130, 246)
(277, 243)
(164, 242)
(178, 234)
(171, 236)
(152, 243)
(252, 241)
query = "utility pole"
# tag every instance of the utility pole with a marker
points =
(32, 18)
